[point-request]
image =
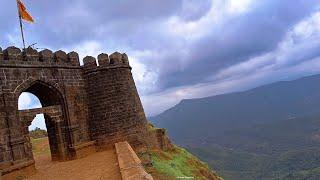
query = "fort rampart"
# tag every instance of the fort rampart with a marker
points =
(86, 107)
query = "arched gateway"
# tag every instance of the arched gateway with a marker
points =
(54, 111)
(86, 108)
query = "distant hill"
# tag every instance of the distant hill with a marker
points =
(197, 119)
(270, 132)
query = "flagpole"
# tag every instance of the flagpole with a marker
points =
(21, 28)
(22, 35)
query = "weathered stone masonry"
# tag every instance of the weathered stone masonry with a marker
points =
(86, 108)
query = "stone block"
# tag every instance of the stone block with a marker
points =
(12, 53)
(46, 55)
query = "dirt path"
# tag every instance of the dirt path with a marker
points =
(99, 166)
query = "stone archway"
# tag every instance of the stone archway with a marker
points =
(53, 108)
(54, 119)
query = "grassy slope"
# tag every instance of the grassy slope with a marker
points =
(181, 163)
(175, 163)
(178, 163)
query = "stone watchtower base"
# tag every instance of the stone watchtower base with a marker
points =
(86, 108)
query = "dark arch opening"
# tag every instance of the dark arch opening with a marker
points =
(53, 109)
(47, 94)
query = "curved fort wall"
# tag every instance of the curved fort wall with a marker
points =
(100, 103)
(115, 111)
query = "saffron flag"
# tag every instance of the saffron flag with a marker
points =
(24, 13)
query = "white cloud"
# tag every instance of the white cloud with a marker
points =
(220, 12)
(86, 48)
(24, 101)
(38, 122)
(308, 28)
(145, 78)
(192, 30)
(238, 6)
(28, 101)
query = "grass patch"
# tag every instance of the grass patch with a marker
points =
(180, 163)
(40, 146)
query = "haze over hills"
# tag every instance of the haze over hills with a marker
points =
(268, 132)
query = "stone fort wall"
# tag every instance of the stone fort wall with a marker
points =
(100, 104)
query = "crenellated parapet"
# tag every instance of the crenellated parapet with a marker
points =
(115, 60)
(13, 56)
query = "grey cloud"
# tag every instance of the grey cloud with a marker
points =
(192, 10)
(66, 22)
(239, 39)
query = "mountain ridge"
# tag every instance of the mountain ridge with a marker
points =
(299, 98)
(241, 91)
(266, 132)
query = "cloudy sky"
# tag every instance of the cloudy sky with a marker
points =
(180, 48)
